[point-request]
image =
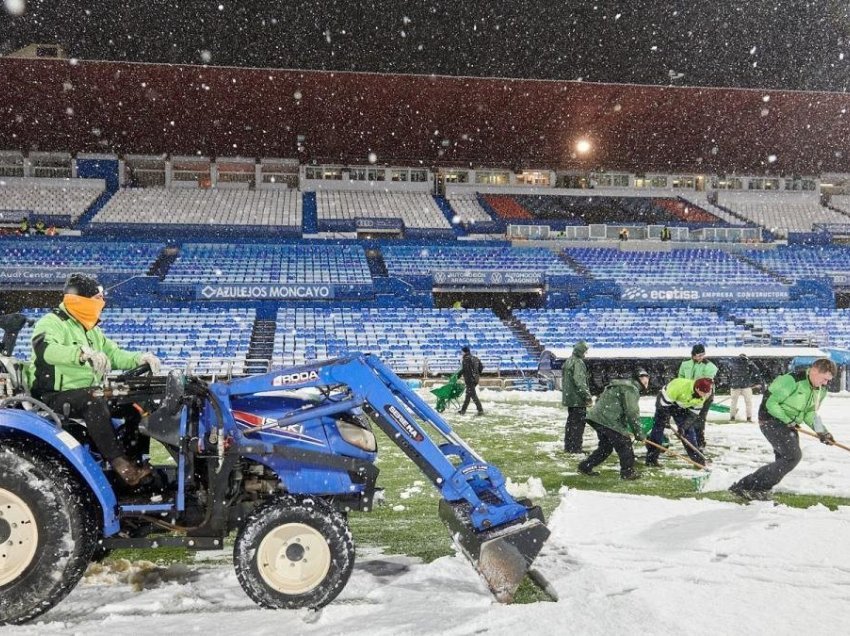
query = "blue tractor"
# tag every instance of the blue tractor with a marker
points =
(279, 459)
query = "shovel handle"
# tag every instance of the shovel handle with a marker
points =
(669, 452)
(687, 443)
(805, 431)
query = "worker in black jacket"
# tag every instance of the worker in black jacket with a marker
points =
(471, 370)
(744, 376)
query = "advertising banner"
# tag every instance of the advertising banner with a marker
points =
(487, 278)
(707, 294)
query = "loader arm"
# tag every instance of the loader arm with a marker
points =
(500, 535)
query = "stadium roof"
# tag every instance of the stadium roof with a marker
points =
(341, 117)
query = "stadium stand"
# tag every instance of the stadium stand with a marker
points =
(797, 262)
(507, 208)
(781, 212)
(209, 340)
(73, 198)
(591, 208)
(789, 326)
(679, 266)
(64, 255)
(406, 338)
(415, 209)
(270, 263)
(407, 260)
(700, 199)
(630, 327)
(219, 206)
(467, 207)
(841, 202)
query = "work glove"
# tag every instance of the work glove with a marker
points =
(152, 360)
(826, 438)
(589, 402)
(640, 436)
(98, 360)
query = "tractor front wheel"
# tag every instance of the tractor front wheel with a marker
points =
(294, 553)
(47, 534)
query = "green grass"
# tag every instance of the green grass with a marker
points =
(408, 522)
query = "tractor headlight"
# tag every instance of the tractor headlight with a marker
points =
(357, 436)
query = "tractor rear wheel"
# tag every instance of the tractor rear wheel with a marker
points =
(294, 553)
(47, 534)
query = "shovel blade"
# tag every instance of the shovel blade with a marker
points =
(501, 556)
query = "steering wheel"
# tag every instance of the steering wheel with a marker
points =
(136, 372)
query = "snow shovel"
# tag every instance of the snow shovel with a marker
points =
(687, 443)
(720, 406)
(699, 480)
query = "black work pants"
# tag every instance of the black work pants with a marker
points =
(686, 423)
(609, 441)
(471, 394)
(574, 428)
(699, 425)
(786, 449)
(97, 414)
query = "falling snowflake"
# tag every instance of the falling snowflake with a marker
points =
(15, 7)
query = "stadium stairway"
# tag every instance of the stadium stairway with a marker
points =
(732, 212)
(377, 266)
(310, 214)
(840, 211)
(526, 338)
(450, 214)
(574, 264)
(159, 267)
(751, 261)
(94, 208)
(261, 346)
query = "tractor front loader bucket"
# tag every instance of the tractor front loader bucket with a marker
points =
(502, 555)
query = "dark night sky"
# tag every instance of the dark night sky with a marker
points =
(790, 44)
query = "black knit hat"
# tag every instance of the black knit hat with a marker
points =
(697, 349)
(465, 349)
(82, 285)
(640, 372)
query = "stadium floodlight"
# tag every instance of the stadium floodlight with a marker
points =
(583, 146)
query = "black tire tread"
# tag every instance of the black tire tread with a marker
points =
(286, 509)
(32, 595)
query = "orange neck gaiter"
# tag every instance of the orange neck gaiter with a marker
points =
(85, 310)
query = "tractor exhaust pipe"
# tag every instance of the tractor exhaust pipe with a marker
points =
(503, 555)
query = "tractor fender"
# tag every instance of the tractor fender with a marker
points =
(31, 425)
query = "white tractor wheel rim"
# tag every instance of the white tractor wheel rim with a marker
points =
(20, 531)
(293, 558)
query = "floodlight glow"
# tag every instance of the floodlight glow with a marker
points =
(583, 146)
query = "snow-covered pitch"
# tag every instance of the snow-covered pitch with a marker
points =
(621, 564)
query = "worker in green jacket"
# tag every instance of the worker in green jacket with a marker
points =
(575, 395)
(694, 368)
(614, 417)
(71, 358)
(791, 400)
(681, 399)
